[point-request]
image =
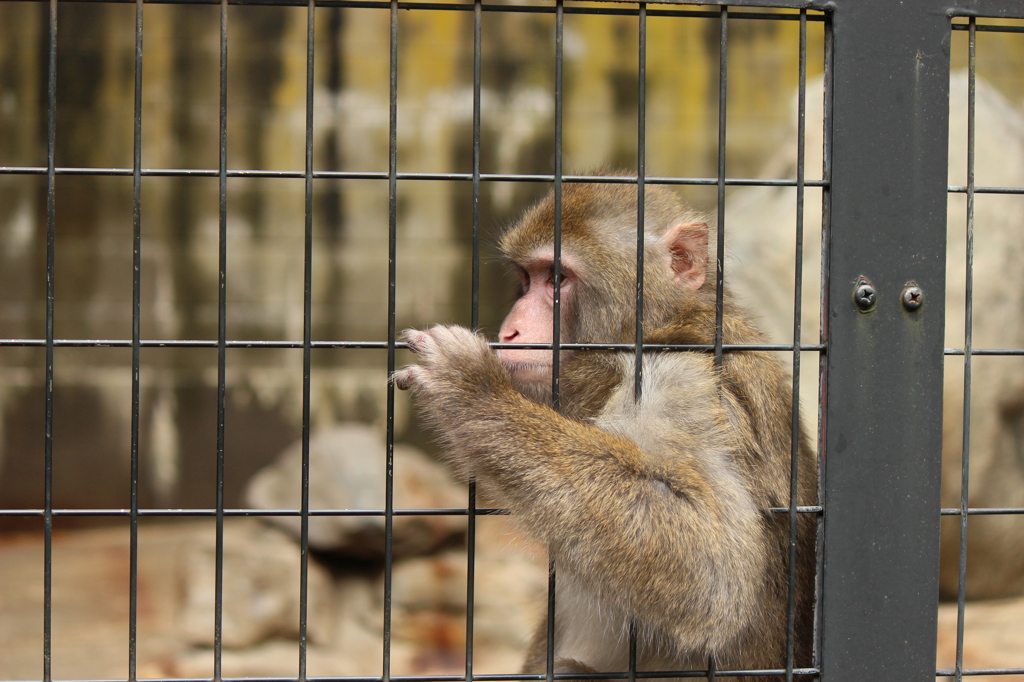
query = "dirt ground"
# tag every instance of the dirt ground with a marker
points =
(90, 608)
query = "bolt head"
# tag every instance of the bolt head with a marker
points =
(864, 296)
(912, 298)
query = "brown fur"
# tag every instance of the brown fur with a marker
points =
(656, 510)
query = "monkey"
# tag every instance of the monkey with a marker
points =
(657, 507)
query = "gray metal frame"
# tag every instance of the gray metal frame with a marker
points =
(887, 81)
(882, 423)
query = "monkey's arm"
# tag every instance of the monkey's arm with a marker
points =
(668, 530)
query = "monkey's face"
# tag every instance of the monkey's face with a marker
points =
(531, 319)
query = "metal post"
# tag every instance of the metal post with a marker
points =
(883, 417)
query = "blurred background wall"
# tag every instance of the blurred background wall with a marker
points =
(266, 131)
(266, 79)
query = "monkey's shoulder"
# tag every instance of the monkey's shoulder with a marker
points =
(695, 321)
(685, 329)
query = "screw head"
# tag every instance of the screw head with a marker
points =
(912, 297)
(864, 295)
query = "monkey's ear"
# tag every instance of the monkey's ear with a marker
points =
(687, 245)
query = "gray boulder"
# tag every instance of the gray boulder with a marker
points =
(347, 471)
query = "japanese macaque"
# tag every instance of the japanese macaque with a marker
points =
(655, 507)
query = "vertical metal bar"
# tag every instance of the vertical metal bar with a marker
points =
(556, 322)
(798, 279)
(550, 635)
(470, 577)
(631, 666)
(641, 173)
(222, 303)
(557, 266)
(641, 170)
(723, 82)
(968, 348)
(307, 339)
(389, 487)
(133, 560)
(51, 176)
(883, 418)
(475, 315)
(826, 221)
(477, 58)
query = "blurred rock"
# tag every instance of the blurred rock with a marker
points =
(429, 605)
(511, 598)
(509, 591)
(90, 600)
(261, 588)
(347, 464)
(91, 611)
(435, 583)
(273, 659)
(345, 626)
(428, 624)
(993, 638)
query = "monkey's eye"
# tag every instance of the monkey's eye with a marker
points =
(566, 280)
(540, 275)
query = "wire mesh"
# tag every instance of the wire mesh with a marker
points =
(394, 177)
(972, 27)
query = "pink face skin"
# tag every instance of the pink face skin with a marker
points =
(530, 319)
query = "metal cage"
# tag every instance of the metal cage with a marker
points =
(886, 69)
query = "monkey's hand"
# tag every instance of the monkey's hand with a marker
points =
(456, 369)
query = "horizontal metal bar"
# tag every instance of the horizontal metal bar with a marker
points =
(212, 343)
(382, 175)
(456, 511)
(801, 509)
(524, 677)
(962, 189)
(984, 351)
(980, 671)
(990, 28)
(187, 343)
(982, 511)
(532, 9)
(452, 511)
(813, 347)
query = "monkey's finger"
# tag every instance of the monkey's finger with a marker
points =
(457, 340)
(405, 378)
(415, 338)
